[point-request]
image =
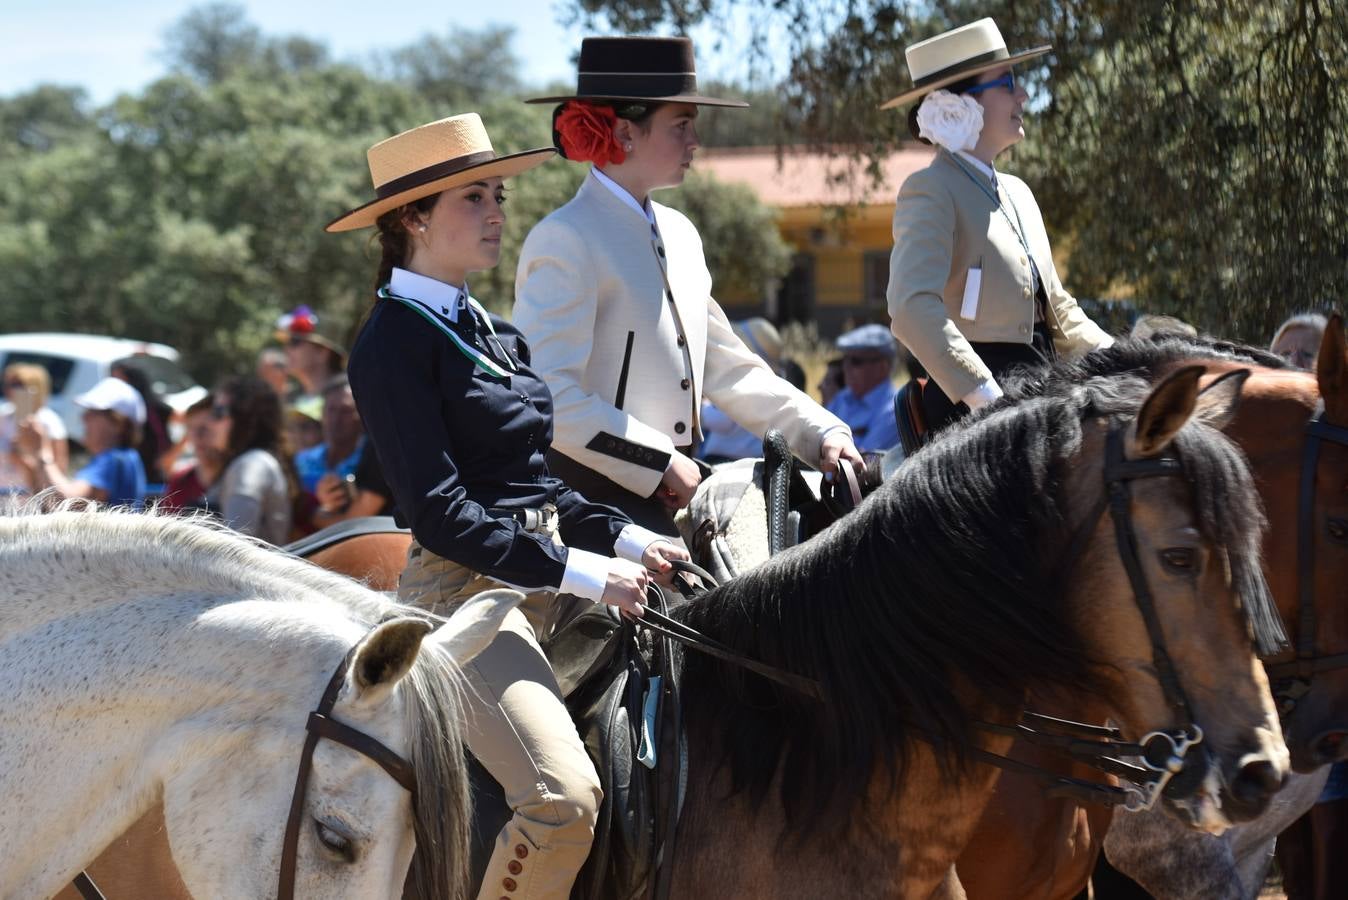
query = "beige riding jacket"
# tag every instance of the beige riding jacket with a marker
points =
(629, 358)
(945, 225)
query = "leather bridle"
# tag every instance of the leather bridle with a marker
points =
(319, 725)
(1294, 678)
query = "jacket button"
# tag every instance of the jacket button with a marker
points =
(515, 867)
(509, 884)
(521, 851)
(680, 428)
(680, 341)
(1026, 292)
(1024, 261)
(1025, 329)
(685, 384)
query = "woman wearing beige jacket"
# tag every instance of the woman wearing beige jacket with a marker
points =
(972, 286)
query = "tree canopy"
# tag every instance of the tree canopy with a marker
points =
(192, 212)
(1189, 154)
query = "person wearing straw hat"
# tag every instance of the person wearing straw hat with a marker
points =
(613, 291)
(461, 423)
(972, 286)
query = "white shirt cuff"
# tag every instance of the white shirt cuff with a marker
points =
(982, 395)
(586, 574)
(633, 541)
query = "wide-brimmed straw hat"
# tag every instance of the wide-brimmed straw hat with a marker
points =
(955, 55)
(636, 69)
(430, 159)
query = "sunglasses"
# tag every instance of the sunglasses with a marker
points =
(18, 385)
(1007, 81)
(220, 411)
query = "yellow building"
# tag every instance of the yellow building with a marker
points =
(835, 216)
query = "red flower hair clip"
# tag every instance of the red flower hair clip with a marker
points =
(586, 132)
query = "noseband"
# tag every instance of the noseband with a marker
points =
(1295, 677)
(322, 725)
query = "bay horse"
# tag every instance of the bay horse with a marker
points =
(981, 571)
(153, 659)
(1032, 845)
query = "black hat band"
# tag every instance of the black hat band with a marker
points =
(433, 173)
(639, 84)
(991, 56)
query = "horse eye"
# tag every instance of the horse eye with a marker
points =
(334, 841)
(1338, 530)
(1179, 560)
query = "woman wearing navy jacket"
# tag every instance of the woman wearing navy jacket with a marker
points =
(460, 424)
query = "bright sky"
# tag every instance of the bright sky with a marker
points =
(111, 46)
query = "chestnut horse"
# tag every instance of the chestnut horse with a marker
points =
(138, 864)
(958, 587)
(1032, 845)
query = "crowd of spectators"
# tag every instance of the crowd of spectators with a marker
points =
(276, 454)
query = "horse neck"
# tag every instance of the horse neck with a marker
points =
(121, 698)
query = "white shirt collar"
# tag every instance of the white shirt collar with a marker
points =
(622, 194)
(443, 298)
(981, 166)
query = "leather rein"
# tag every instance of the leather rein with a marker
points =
(320, 724)
(1294, 678)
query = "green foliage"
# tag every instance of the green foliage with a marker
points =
(192, 212)
(1190, 154)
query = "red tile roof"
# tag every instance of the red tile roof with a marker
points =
(798, 177)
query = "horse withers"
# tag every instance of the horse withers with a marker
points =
(153, 659)
(982, 570)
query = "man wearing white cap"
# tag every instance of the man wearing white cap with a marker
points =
(866, 403)
(113, 415)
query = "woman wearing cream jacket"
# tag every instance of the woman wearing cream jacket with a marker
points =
(972, 286)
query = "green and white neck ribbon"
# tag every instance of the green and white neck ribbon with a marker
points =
(482, 360)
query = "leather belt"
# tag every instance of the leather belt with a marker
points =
(539, 520)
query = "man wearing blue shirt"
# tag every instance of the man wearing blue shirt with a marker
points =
(866, 403)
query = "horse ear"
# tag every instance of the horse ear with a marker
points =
(1165, 411)
(1331, 370)
(383, 658)
(474, 624)
(1218, 401)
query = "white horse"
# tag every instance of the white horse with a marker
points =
(153, 659)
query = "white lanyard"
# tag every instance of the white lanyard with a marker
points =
(484, 362)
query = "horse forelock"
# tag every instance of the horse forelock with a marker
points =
(951, 567)
(442, 813)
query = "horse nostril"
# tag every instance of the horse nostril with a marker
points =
(1257, 781)
(1330, 746)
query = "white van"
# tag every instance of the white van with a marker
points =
(76, 362)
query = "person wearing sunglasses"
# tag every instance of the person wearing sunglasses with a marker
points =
(972, 289)
(257, 490)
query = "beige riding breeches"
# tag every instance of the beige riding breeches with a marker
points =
(519, 729)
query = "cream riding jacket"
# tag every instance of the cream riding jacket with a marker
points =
(945, 225)
(622, 325)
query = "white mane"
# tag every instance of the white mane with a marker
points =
(155, 552)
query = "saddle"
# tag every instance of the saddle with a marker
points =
(620, 686)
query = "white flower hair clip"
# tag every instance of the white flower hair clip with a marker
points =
(952, 121)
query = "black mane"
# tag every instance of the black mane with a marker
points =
(953, 566)
(1143, 357)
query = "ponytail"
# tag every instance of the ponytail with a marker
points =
(391, 228)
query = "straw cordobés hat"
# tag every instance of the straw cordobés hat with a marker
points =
(430, 159)
(956, 55)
